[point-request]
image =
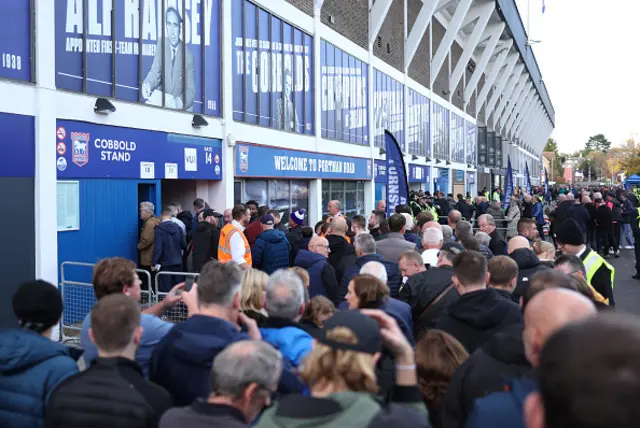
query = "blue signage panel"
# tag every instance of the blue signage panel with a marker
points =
(15, 39)
(457, 138)
(157, 57)
(344, 95)
(380, 171)
(418, 173)
(261, 161)
(440, 130)
(417, 124)
(17, 143)
(272, 70)
(388, 108)
(87, 150)
(471, 142)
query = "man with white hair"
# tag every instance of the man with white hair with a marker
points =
(447, 233)
(432, 241)
(284, 303)
(409, 234)
(147, 238)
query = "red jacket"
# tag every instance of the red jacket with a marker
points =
(253, 230)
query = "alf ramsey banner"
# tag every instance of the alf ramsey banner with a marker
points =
(272, 70)
(150, 51)
(15, 39)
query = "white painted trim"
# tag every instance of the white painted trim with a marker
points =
(338, 40)
(286, 12)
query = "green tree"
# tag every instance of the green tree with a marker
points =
(597, 143)
(552, 147)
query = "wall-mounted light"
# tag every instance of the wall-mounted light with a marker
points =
(427, 159)
(103, 106)
(414, 157)
(448, 163)
(438, 161)
(198, 121)
(382, 151)
(469, 165)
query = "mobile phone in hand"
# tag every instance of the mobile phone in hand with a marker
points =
(188, 283)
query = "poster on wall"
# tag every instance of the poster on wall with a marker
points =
(15, 40)
(344, 95)
(457, 138)
(471, 142)
(388, 108)
(272, 70)
(440, 131)
(155, 52)
(417, 124)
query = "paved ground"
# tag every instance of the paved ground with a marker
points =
(626, 290)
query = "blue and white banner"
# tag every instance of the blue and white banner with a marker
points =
(418, 139)
(380, 171)
(267, 162)
(148, 51)
(457, 138)
(508, 185)
(527, 178)
(397, 186)
(440, 131)
(418, 173)
(272, 70)
(344, 95)
(87, 150)
(388, 108)
(471, 142)
(17, 143)
(15, 39)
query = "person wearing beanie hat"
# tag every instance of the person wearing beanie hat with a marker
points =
(600, 274)
(31, 364)
(296, 224)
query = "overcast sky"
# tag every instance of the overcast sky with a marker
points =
(590, 63)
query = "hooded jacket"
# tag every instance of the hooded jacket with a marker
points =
(31, 367)
(340, 249)
(168, 244)
(293, 342)
(354, 264)
(478, 315)
(347, 409)
(205, 244)
(421, 290)
(502, 409)
(181, 362)
(488, 370)
(322, 277)
(528, 265)
(295, 241)
(271, 251)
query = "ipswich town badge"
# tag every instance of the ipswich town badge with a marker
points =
(80, 144)
(243, 162)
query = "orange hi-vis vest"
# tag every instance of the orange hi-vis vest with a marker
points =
(224, 245)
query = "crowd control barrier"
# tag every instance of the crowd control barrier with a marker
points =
(177, 313)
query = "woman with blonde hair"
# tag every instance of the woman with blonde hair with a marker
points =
(254, 285)
(340, 372)
(438, 356)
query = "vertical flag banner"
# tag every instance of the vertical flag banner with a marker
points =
(397, 186)
(15, 40)
(527, 179)
(547, 195)
(160, 52)
(272, 70)
(508, 185)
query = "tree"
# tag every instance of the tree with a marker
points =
(552, 146)
(597, 143)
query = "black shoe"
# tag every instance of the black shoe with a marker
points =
(616, 255)
(636, 275)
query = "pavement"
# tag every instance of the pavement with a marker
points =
(625, 289)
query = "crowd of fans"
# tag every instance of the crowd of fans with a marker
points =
(404, 320)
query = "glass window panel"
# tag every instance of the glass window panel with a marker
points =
(255, 190)
(299, 196)
(351, 185)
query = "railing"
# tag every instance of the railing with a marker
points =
(178, 313)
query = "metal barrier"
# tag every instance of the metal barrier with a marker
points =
(179, 312)
(79, 297)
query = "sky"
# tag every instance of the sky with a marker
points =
(590, 62)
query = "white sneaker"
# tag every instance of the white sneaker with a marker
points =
(629, 247)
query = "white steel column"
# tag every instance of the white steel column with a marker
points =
(511, 97)
(452, 31)
(527, 109)
(493, 32)
(527, 121)
(417, 31)
(517, 109)
(483, 14)
(529, 134)
(531, 122)
(506, 73)
(491, 78)
(377, 14)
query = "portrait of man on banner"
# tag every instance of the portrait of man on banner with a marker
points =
(178, 93)
(286, 114)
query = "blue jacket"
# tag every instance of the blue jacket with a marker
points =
(271, 251)
(315, 264)
(181, 362)
(293, 343)
(502, 409)
(413, 237)
(394, 277)
(31, 366)
(167, 244)
(538, 213)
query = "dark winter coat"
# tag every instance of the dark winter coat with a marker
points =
(340, 248)
(205, 244)
(186, 217)
(295, 240)
(204, 415)
(111, 393)
(497, 245)
(486, 371)
(579, 213)
(354, 264)
(527, 209)
(616, 211)
(528, 265)
(465, 209)
(604, 218)
(322, 277)
(169, 241)
(271, 251)
(502, 409)
(414, 238)
(421, 290)
(478, 315)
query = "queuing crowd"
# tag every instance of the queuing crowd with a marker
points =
(444, 314)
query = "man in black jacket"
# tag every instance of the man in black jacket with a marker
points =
(296, 224)
(338, 243)
(112, 392)
(487, 224)
(429, 293)
(527, 261)
(503, 275)
(206, 239)
(480, 312)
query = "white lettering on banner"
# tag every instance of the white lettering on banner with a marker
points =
(114, 150)
(345, 88)
(99, 24)
(387, 111)
(293, 163)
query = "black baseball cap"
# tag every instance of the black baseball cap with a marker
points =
(210, 213)
(366, 330)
